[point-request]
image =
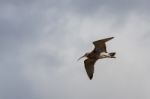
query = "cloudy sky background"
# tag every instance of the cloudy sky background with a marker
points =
(41, 40)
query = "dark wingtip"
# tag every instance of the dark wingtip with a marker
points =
(91, 77)
(112, 37)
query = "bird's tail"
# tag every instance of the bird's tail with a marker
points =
(112, 54)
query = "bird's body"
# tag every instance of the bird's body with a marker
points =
(99, 52)
(101, 55)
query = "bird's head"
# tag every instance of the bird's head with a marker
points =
(85, 55)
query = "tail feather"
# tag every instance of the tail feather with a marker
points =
(112, 54)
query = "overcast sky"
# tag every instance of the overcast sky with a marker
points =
(41, 40)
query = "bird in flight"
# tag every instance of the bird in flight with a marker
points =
(99, 52)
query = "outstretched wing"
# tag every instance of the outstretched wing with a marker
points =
(100, 45)
(89, 67)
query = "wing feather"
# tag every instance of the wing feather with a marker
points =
(89, 67)
(100, 45)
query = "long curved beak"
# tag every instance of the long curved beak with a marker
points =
(81, 57)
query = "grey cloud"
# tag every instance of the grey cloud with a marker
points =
(41, 40)
(115, 6)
